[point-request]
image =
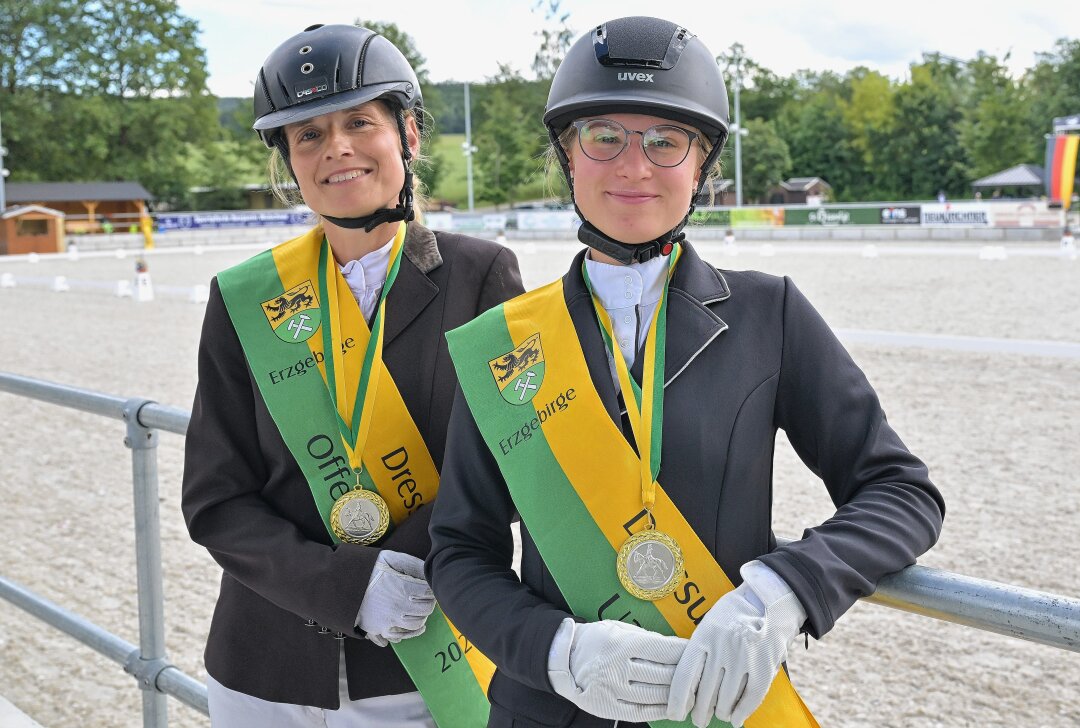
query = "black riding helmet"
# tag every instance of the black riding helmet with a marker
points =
(332, 67)
(638, 65)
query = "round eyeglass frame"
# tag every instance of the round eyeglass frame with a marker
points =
(692, 136)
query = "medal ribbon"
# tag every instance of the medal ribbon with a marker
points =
(448, 670)
(354, 407)
(559, 478)
(646, 410)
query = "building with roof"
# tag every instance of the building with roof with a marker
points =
(1023, 180)
(86, 204)
(31, 229)
(800, 191)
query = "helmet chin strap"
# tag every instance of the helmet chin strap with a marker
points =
(404, 210)
(625, 253)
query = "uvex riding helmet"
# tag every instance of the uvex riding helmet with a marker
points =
(638, 65)
(329, 68)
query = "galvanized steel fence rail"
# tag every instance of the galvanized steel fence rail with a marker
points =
(1027, 614)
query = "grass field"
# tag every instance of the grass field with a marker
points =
(453, 187)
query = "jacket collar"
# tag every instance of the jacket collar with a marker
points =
(421, 248)
(413, 290)
(691, 325)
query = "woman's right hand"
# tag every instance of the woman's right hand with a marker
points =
(398, 600)
(614, 670)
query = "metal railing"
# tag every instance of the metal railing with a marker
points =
(147, 663)
(1026, 614)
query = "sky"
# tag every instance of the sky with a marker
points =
(468, 43)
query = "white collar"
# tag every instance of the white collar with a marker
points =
(623, 286)
(369, 271)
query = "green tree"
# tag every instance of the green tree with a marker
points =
(504, 157)
(32, 51)
(766, 159)
(867, 109)
(103, 91)
(222, 169)
(555, 40)
(431, 167)
(1048, 90)
(820, 144)
(921, 151)
(762, 93)
(991, 131)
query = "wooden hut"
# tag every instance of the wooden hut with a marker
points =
(31, 229)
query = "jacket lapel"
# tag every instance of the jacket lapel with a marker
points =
(413, 290)
(691, 326)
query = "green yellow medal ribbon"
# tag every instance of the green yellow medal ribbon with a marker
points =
(355, 406)
(646, 410)
(295, 315)
(650, 562)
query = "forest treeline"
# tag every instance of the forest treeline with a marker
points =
(118, 91)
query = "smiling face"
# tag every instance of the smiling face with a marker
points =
(348, 163)
(629, 198)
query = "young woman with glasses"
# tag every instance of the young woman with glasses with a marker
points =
(627, 415)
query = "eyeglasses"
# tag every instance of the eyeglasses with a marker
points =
(665, 145)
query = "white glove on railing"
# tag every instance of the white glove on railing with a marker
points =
(737, 649)
(614, 670)
(398, 600)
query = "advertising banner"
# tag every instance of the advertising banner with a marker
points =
(832, 216)
(904, 215)
(240, 218)
(719, 218)
(547, 220)
(960, 214)
(1024, 214)
(740, 217)
(757, 217)
(438, 221)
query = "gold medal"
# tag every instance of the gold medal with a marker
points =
(650, 565)
(360, 517)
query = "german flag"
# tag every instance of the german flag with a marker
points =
(1061, 168)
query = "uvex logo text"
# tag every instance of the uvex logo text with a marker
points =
(624, 76)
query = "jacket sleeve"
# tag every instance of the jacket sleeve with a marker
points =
(225, 471)
(888, 511)
(502, 282)
(472, 549)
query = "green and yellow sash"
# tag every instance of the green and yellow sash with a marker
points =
(575, 480)
(295, 315)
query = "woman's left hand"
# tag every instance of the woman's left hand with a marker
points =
(736, 650)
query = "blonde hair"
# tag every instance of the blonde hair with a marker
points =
(569, 136)
(284, 186)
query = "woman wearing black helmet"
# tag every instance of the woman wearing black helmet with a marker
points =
(319, 422)
(651, 583)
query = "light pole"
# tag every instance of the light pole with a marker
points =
(3, 171)
(737, 126)
(467, 147)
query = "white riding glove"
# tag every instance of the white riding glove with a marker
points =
(614, 670)
(737, 649)
(398, 600)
